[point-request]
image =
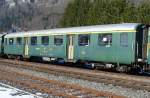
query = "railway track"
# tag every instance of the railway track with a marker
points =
(50, 88)
(130, 81)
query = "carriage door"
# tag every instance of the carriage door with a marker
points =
(145, 41)
(26, 46)
(70, 47)
(142, 39)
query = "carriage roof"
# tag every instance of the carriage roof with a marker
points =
(124, 27)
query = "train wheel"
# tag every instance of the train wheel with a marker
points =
(123, 69)
(90, 65)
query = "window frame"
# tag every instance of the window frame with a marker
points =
(42, 41)
(19, 42)
(12, 41)
(81, 38)
(31, 40)
(60, 38)
(124, 43)
(109, 38)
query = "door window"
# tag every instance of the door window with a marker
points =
(124, 39)
(5, 41)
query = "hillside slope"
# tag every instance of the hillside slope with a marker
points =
(33, 14)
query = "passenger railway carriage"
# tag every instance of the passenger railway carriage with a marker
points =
(108, 45)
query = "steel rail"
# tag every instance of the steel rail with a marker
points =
(45, 86)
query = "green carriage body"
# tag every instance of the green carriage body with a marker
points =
(111, 54)
(49, 50)
(14, 49)
(38, 50)
(70, 50)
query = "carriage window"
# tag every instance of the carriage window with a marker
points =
(105, 39)
(33, 40)
(58, 40)
(11, 40)
(124, 39)
(84, 40)
(5, 41)
(45, 40)
(19, 41)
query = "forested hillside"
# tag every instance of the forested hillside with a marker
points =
(91, 12)
(45, 14)
(30, 14)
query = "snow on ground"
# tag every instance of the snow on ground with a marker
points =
(10, 92)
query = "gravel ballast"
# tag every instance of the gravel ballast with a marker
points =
(118, 90)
